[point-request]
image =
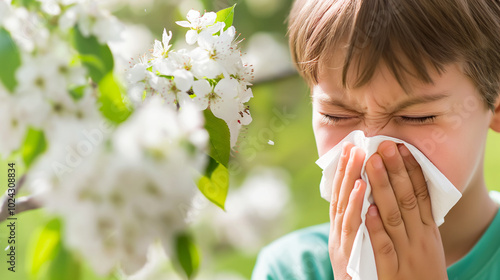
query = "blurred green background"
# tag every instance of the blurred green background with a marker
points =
(281, 111)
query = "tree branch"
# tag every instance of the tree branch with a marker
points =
(22, 204)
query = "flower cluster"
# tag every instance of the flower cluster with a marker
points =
(131, 190)
(118, 184)
(52, 91)
(211, 75)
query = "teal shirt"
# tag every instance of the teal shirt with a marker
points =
(303, 255)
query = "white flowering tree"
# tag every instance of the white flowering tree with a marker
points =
(118, 163)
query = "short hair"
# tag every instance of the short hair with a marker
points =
(421, 32)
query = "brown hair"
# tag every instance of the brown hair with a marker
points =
(423, 32)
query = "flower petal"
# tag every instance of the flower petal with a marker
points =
(234, 131)
(166, 38)
(158, 49)
(218, 26)
(193, 15)
(183, 79)
(208, 19)
(201, 88)
(137, 73)
(227, 88)
(184, 23)
(225, 108)
(191, 36)
(247, 118)
(201, 103)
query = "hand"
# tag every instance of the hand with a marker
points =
(406, 240)
(345, 208)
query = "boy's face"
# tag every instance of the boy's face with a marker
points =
(447, 121)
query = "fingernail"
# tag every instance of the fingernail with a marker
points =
(357, 185)
(344, 149)
(377, 162)
(353, 152)
(389, 151)
(403, 150)
(372, 210)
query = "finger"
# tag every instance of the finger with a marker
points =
(384, 251)
(339, 176)
(401, 186)
(384, 198)
(352, 219)
(352, 173)
(337, 182)
(419, 185)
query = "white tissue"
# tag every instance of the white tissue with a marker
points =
(443, 196)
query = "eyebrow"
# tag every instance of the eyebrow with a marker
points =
(407, 103)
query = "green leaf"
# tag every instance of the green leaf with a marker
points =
(215, 185)
(211, 166)
(215, 182)
(218, 131)
(226, 16)
(10, 58)
(77, 92)
(97, 58)
(33, 146)
(24, 3)
(45, 245)
(93, 64)
(49, 257)
(112, 99)
(64, 266)
(187, 254)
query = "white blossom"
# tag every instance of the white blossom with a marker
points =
(65, 112)
(212, 75)
(38, 76)
(5, 10)
(161, 48)
(51, 7)
(200, 25)
(214, 53)
(26, 28)
(221, 99)
(92, 20)
(122, 193)
(174, 91)
(137, 73)
(14, 124)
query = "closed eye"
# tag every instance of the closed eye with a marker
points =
(418, 120)
(336, 120)
(331, 120)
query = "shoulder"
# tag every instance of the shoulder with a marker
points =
(302, 254)
(483, 260)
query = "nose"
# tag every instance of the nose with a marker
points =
(377, 128)
(370, 132)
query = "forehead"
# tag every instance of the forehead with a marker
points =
(383, 80)
(383, 91)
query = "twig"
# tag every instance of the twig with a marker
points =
(22, 204)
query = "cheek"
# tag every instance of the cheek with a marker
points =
(456, 166)
(326, 137)
(457, 163)
(458, 151)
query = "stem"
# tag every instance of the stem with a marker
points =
(22, 204)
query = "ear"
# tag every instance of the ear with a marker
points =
(495, 121)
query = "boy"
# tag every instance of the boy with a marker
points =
(426, 72)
